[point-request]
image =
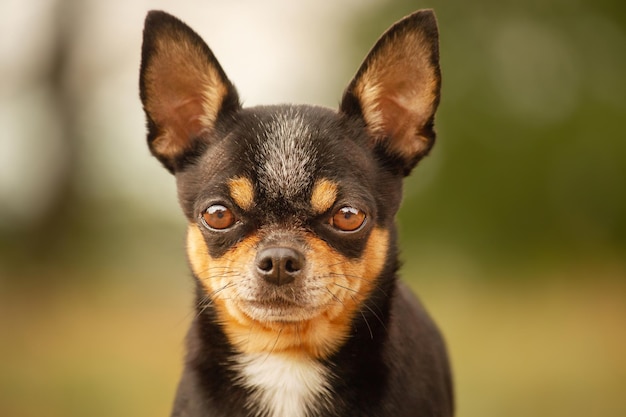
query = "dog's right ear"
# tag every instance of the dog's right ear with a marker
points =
(183, 90)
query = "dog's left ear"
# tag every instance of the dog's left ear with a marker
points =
(396, 90)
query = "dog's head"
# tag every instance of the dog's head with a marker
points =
(290, 208)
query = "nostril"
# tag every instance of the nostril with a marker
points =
(265, 264)
(292, 265)
(279, 265)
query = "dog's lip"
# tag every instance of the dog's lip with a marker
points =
(277, 309)
(273, 303)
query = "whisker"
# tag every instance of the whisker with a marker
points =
(224, 272)
(374, 313)
(338, 263)
(208, 299)
(345, 288)
(275, 343)
(334, 296)
(341, 274)
(376, 286)
(367, 323)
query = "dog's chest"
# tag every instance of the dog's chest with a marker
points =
(284, 385)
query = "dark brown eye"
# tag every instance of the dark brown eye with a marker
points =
(218, 217)
(348, 219)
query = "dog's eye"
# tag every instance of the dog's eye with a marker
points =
(218, 217)
(348, 219)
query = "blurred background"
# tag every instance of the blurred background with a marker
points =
(513, 230)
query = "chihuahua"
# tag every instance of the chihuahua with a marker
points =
(291, 237)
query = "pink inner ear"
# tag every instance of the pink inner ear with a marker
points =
(182, 119)
(401, 126)
(185, 93)
(398, 96)
(177, 80)
(397, 87)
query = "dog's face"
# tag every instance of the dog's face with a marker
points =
(289, 221)
(290, 208)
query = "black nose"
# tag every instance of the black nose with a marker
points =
(279, 265)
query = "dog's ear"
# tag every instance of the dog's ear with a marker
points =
(183, 89)
(396, 90)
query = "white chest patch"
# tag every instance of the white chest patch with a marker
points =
(284, 385)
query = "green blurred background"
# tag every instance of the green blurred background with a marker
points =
(513, 230)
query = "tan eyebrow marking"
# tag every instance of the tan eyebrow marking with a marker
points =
(242, 192)
(324, 195)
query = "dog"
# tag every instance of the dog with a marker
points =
(291, 236)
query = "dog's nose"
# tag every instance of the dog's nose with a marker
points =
(279, 265)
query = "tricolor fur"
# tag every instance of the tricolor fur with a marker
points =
(291, 236)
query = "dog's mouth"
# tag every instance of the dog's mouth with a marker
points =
(276, 312)
(277, 306)
(278, 303)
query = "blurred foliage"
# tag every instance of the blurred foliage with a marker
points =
(515, 224)
(530, 164)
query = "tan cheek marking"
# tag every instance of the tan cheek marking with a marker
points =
(197, 251)
(318, 337)
(351, 281)
(324, 195)
(219, 276)
(242, 192)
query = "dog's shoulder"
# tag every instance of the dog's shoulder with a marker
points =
(417, 359)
